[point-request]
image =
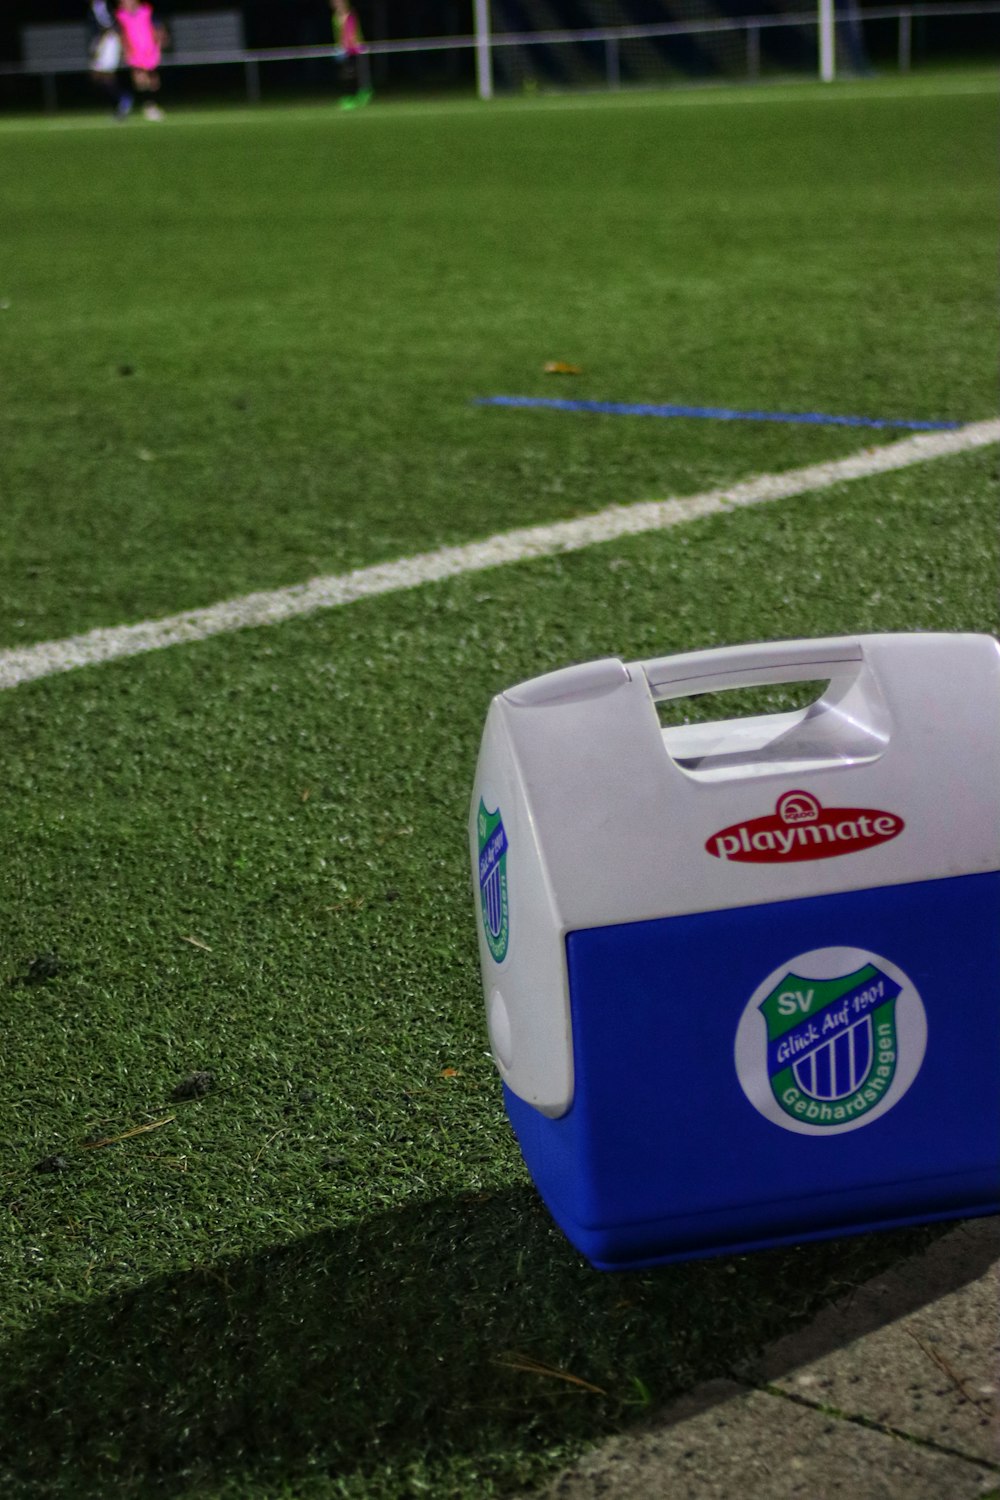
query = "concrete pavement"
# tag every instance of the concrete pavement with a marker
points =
(892, 1393)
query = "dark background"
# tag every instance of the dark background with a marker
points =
(269, 23)
(290, 23)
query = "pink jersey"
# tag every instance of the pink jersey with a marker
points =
(142, 48)
(352, 36)
(348, 33)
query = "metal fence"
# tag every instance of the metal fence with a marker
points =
(485, 46)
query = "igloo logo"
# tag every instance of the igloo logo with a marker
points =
(802, 828)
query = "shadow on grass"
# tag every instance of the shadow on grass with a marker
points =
(370, 1350)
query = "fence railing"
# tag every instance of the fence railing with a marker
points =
(611, 37)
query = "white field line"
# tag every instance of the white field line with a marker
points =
(24, 664)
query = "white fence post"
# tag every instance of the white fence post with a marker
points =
(612, 63)
(827, 45)
(753, 52)
(905, 41)
(484, 52)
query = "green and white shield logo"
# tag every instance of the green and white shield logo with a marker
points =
(493, 898)
(830, 1040)
(832, 1043)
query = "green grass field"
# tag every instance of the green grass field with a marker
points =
(241, 350)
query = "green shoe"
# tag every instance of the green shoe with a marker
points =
(363, 96)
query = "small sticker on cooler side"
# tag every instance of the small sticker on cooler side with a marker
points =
(493, 897)
(830, 1041)
(801, 828)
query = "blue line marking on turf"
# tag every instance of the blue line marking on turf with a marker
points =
(713, 413)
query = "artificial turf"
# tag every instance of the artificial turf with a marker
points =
(322, 1272)
(246, 858)
(238, 354)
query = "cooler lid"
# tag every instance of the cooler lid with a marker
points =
(891, 775)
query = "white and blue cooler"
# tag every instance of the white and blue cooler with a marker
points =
(742, 979)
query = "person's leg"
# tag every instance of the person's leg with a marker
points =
(357, 72)
(364, 78)
(104, 74)
(147, 86)
(349, 79)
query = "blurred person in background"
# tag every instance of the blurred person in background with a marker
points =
(144, 36)
(351, 52)
(106, 56)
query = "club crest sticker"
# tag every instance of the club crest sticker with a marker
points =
(830, 1041)
(493, 899)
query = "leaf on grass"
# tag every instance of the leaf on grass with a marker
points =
(195, 942)
(450, 1073)
(112, 1140)
(560, 367)
(531, 1366)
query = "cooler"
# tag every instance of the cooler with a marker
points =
(742, 979)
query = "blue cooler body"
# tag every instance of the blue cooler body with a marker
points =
(743, 979)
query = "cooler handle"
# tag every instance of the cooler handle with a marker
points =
(758, 665)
